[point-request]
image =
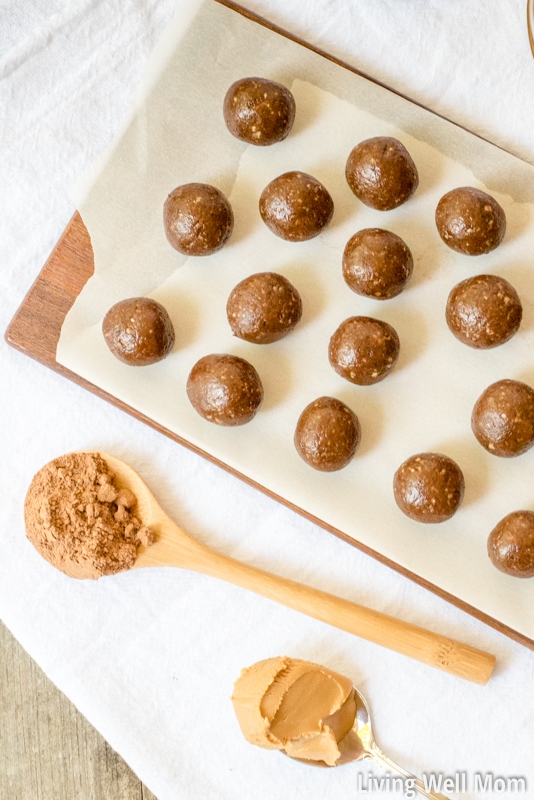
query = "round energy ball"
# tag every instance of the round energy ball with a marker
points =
(484, 311)
(138, 331)
(381, 173)
(377, 263)
(327, 434)
(364, 350)
(263, 308)
(225, 389)
(296, 206)
(503, 418)
(511, 544)
(428, 487)
(470, 221)
(259, 111)
(198, 219)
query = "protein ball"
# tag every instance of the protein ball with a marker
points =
(381, 173)
(138, 331)
(225, 389)
(327, 434)
(259, 111)
(198, 219)
(296, 206)
(364, 350)
(470, 221)
(511, 544)
(503, 418)
(377, 263)
(428, 487)
(484, 311)
(263, 308)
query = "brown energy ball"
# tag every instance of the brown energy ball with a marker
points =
(225, 389)
(263, 308)
(381, 173)
(259, 111)
(503, 418)
(198, 219)
(429, 487)
(364, 350)
(484, 311)
(296, 206)
(327, 434)
(377, 263)
(511, 544)
(138, 331)
(470, 221)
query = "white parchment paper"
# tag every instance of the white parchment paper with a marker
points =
(176, 134)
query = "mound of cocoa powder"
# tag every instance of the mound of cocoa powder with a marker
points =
(80, 521)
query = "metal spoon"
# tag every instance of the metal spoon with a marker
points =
(175, 548)
(359, 744)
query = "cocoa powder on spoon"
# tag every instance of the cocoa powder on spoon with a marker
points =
(80, 521)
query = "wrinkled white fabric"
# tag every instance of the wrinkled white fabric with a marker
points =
(150, 657)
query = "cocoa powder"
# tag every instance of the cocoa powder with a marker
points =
(80, 521)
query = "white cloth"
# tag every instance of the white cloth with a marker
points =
(150, 657)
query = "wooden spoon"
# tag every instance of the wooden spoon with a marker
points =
(175, 548)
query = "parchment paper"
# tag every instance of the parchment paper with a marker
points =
(176, 134)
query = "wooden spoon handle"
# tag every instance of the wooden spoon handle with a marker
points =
(410, 640)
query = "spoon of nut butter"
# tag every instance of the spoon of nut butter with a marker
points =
(314, 715)
(90, 514)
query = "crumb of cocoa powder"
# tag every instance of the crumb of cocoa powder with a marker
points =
(79, 521)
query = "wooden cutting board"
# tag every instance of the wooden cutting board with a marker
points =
(36, 327)
(35, 331)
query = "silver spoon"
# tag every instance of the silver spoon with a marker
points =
(359, 744)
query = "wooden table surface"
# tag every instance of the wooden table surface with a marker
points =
(48, 750)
